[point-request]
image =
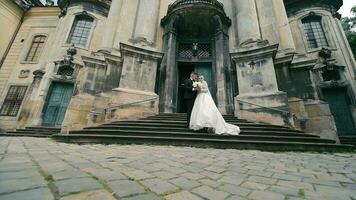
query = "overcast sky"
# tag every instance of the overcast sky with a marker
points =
(345, 9)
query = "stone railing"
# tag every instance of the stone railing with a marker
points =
(179, 3)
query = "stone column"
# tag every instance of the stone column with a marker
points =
(223, 68)
(168, 70)
(285, 33)
(146, 22)
(112, 24)
(248, 29)
(35, 101)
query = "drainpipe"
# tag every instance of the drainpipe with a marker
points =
(12, 39)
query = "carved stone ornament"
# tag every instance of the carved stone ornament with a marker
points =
(24, 73)
(38, 74)
(325, 53)
(66, 65)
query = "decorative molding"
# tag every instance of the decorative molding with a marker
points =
(24, 73)
(128, 49)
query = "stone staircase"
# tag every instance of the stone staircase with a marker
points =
(169, 129)
(39, 131)
(348, 140)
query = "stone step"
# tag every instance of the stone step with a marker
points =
(33, 132)
(205, 142)
(24, 134)
(348, 140)
(183, 129)
(43, 128)
(37, 130)
(260, 135)
(183, 123)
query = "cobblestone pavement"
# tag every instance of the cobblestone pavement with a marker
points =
(42, 169)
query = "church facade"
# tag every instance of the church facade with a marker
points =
(86, 62)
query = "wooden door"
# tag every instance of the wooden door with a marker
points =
(57, 104)
(339, 106)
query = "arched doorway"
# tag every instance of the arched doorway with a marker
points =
(195, 39)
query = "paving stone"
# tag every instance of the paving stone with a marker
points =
(184, 183)
(286, 177)
(321, 182)
(107, 175)
(233, 189)
(19, 174)
(91, 195)
(334, 178)
(215, 169)
(336, 192)
(164, 175)
(123, 188)
(159, 186)
(287, 191)
(184, 195)
(146, 196)
(209, 182)
(236, 197)
(235, 180)
(261, 179)
(69, 186)
(265, 195)
(294, 184)
(253, 185)
(210, 193)
(68, 174)
(138, 174)
(259, 173)
(35, 194)
(211, 175)
(192, 176)
(7, 186)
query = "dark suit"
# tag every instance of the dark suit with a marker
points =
(189, 97)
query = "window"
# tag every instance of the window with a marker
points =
(13, 100)
(80, 30)
(36, 48)
(314, 32)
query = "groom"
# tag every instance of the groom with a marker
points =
(189, 95)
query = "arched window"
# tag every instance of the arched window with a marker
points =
(36, 48)
(80, 31)
(314, 32)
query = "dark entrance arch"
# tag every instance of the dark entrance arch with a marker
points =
(195, 38)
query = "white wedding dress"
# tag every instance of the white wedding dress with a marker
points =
(205, 114)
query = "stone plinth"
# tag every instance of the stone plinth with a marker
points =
(268, 108)
(259, 98)
(132, 104)
(78, 112)
(320, 121)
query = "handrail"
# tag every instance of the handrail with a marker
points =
(285, 114)
(110, 108)
(132, 103)
(275, 109)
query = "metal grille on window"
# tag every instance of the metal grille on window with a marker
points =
(314, 32)
(65, 70)
(13, 100)
(36, 48)
(80, 30)
(186, 50)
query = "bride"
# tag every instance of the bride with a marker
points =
(205, 114)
